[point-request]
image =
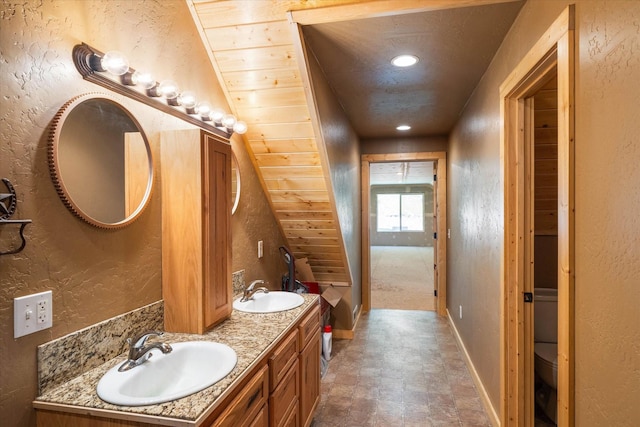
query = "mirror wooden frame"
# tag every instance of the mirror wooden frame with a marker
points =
(55, 132)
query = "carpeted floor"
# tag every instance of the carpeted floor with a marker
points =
(402, 278)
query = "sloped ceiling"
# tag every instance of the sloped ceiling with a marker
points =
(252, 47)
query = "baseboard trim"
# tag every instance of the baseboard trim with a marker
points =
(484, 397)
(348, 334)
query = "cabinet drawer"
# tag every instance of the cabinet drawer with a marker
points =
(262, 419)
(282, 359)
(291, 420)
(247, 404)
(285, 396)
(309, 326)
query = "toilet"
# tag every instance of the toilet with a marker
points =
(545, 336)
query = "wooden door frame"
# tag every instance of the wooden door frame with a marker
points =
(440, 210)
(555, 50)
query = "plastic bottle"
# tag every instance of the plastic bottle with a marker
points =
(326, 342)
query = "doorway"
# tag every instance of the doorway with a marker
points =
(552, 55)
(401, 235)
(401, 224)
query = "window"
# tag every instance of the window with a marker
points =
(400, 212)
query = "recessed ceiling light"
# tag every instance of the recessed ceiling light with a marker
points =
(403, 127)
(404, 60)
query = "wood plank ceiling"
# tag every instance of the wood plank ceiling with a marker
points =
(251, 48)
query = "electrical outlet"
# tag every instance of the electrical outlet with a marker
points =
(260, 249)
(32, 313)
(448, 233)
(461, 312)
(42, 311)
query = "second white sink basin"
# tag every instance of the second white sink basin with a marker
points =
(272, 302)
(191, 366)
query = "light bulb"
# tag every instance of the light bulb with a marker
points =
(144, 79)
(228, 121)
(403, 127)
(404, 60)
(188, 100)
(217, 115)
(115, 63)
(204, 109)
(240, 127)
(169, 89)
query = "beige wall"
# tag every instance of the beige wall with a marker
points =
(253, 221)
(93, 274)
(343, 152)
(607, 246)
(404, 145)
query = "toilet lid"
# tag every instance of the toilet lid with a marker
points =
(547, 351)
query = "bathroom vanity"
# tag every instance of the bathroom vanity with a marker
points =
(276, 381)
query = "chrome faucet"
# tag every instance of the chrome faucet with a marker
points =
(249, 291)
(139, 352)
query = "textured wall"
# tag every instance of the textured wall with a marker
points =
(342, 147)
(607, 242)
(607, 206)
(94, 274)
(404, 145)
(253, 221)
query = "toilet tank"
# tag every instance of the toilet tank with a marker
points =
(545, 313)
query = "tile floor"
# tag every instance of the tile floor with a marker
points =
(403, 368)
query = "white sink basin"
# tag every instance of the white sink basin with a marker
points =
(272, 302)
(191, 366)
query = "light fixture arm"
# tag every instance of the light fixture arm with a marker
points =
(84, 56)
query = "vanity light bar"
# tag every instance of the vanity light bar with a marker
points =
(112, 71)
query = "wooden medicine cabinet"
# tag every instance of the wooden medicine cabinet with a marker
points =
(196, 230)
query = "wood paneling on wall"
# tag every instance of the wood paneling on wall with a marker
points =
(546, 160)
(251, 47)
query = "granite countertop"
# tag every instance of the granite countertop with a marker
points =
(250, 335)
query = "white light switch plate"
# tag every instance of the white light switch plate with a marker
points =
(32, 313)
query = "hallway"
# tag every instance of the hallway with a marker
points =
(403, 368)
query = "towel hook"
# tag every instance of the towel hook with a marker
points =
(8, 202)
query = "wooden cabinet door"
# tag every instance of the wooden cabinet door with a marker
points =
(310, 379)
(216, 219)
(196, 239)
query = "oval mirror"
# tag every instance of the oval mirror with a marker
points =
(100, 161)
(235, 183)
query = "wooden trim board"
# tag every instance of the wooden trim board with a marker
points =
(553, 53)
(440, 158)
(494, 417)
(373, 9)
